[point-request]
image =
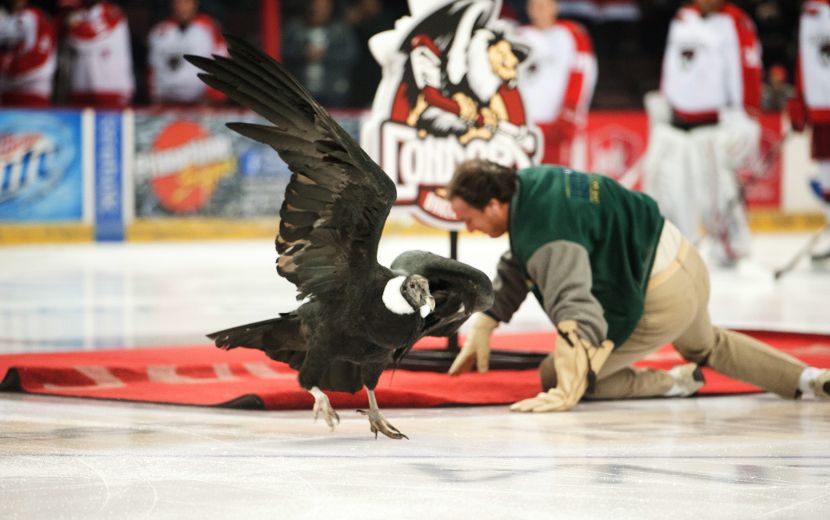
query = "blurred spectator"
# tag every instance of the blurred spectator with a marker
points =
(615, 29)
(367, 18)
(100, 58)
(776, 89)
(775, 29)
(27, 55)
(173, 80)
(558, 80)
(321, 52)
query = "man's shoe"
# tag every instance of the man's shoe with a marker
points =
(688, 379)
(821, 385)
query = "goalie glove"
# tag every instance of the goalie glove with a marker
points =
(577, 363)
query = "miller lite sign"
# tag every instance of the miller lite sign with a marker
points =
(448, 93)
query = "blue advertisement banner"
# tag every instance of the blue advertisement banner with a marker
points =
(109, 179)
(41, 174)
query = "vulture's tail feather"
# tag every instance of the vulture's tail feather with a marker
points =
(278, 334)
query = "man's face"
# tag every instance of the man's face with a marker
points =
(708, 6)
(491, 220)
(320, 12)
(184, 10)
(542, 12)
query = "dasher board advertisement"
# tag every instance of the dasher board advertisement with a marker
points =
(41, 166)
(189, 164)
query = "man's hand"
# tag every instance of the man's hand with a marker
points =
(550, 401)
(476, 349)
(576, 361)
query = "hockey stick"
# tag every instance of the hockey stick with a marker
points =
(786, 268)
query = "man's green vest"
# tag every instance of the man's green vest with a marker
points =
(619, 229)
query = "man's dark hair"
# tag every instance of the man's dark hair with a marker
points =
(476, 181)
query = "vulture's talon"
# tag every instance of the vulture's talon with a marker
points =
(323, 405)
(378, 423)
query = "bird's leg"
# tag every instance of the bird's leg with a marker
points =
(322, 405)
(377, 421)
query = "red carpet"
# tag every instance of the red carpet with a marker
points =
(207, 376)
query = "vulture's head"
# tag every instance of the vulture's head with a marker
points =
(415, 290)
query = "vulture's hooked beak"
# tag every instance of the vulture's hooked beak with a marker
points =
(428, 307)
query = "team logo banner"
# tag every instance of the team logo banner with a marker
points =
(41, 166)
(448, 94)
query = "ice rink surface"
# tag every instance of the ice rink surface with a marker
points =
(752, 456)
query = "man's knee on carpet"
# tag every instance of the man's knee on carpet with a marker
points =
(628, 382)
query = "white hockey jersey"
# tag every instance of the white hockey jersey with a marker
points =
(560, 73)
(172, 79)
(813, 71)
(711, 62)
(102, 63)
(28, 56)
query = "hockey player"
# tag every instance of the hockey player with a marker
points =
(101, 63)
(811, 102)
(172, 79)
(711, 81)
(558, 79)
(618, 281)
(27, 55)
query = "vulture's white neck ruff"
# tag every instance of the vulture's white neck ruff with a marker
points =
(393, 299)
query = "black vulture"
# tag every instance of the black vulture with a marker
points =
(358, 317)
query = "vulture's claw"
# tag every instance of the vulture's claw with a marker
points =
(378, 423)
(323, 405)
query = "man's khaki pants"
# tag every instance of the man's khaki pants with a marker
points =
(676, 311)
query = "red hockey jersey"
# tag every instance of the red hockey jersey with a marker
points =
(27, 58)
(101, 71)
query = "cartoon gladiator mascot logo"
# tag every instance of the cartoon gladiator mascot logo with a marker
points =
(449, 93)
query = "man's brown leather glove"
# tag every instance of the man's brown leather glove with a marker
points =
(577, 362)
(476, 349)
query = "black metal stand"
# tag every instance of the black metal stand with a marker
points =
(439, 360)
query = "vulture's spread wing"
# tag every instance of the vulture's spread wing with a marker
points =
(338, 198)
(459, 290)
